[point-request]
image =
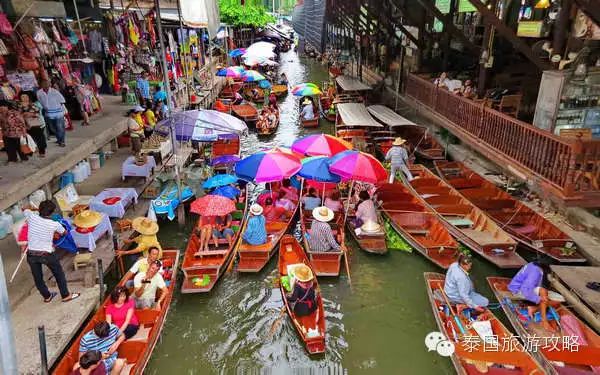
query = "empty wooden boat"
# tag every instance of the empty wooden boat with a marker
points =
(290, 253)
(138, 349)
(507, 357)
(524, 224)
(324, 263)
(571, 347)
(279, 90)
(202, 269)
(246, 112)
(419, 225)
(465, 221)
(253, 258)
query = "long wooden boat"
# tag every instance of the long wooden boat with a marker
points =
(420, 226)
(524, 224)
(246, 112)
(138, 349)
(312, 123)
(465, 221)
(290, 253)
(582, 357)
(495, 360)
(201, 272)
(253, 258)
(326, 263)
(247, 94)
(269, 130)
(354, 124)
(229, 91)
(373, 243)
(279, 90)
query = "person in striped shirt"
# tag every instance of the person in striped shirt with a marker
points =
(398, 157)
(105, 338)
(321, 236)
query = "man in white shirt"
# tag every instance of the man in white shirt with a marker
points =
(146, 285)
(40, 250)
(142, 265)
(53, 103)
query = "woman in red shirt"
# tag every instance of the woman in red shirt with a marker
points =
(272, 212)
(121, 312)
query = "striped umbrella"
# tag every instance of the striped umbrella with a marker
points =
(252, 76)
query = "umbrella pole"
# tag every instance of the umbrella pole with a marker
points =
(348, 204)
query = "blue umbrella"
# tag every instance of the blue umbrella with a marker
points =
(226, 191)
(264, 84)
(219, 180)
(237, 52)
(317, 168)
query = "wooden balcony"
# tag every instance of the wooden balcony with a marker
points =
(568, 170)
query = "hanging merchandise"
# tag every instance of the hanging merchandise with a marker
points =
(44, 44)
(151, 32)
(133, 33)
(5, 26)
(31, 46)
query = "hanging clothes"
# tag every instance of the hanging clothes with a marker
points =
(134, 35)
(95, 41)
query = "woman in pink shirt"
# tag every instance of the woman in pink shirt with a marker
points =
(121, 312)
(333, 202)
(290, 191)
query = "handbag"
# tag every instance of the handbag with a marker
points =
(24, 147)
(27, 62)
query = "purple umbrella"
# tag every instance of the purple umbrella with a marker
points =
(225, 159)
(201, 125)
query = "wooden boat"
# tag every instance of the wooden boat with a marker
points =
(465, 221)
(312, 123)
(247, 94)
(279, 90)
(253, 258)
(524, 224)
(269, 130)
(246, 112)
(580, 359)
(354, 124)
(290, 252)
(419, 139)
(493, 361)
(324, 263)
(212, 263)
(229, 91)
(371, 243)
(420, 226)
(138, 349)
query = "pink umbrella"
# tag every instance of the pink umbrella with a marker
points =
(269, 166)
(358, 166)
(320, 145)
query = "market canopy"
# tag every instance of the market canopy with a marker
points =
(356, 114)
(348, 83)
(388, 116)
(202, 125)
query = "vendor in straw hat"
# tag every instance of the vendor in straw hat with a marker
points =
(87, 220)
(398, 156)
(308, 111)
(321, 236)
(256, 230)
(146, 239)
(304, 296)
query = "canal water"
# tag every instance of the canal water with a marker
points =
(375, 325)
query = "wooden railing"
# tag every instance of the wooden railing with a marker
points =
(570, 168)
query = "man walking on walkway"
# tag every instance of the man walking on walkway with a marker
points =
(40, 250)
(52, 101)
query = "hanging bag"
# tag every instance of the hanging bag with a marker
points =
(5, 26)
(24, 147)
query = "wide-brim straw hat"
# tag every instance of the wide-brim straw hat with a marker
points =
(323, 214)
(370, 227)
(87, 219)
(256, 209)
(306, 101)
(399, 141)
(303, 273)
(144, 225)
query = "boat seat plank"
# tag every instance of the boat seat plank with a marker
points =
(417, 231)
(142, 334)
(524, 230)
(482, 238)
(212, 253)
(460, 222)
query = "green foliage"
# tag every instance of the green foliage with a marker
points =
(393, 240)
(251, 14)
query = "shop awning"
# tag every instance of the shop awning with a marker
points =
(356, 114)
(348, 83)
(388, 116)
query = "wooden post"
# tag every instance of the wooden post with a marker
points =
(448, 37)
(561, 28)
(487, 44)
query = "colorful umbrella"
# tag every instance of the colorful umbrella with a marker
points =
(320, 144)
(358, 166)
(225, 160)
(219, 180)
(237, 52)
(231, 72)
(270, 166)
(264, 84)
(201, 125)
(252, 76)
(307, 91)
(317, 168)
(303, 85)
(226, 191)
(212, 205)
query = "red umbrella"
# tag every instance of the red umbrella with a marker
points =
(212, 205)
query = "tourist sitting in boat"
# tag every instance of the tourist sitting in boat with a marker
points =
(146, 239)
(121, 312)
(90, 363)
(262, 119)
(256, 231)
(283, 79)
(272, 117)
(458, 285)
(308, 111)
(290, 191)
(303, 298)
(146, 284)
(105, 338)
(398, 157)
(321, 236)
(365, 209)
(527, 284)
(333, 201)
(222, 229)
(311, 200)
(237, 98)
(204, 230)
(273, 212)
(283, 202)
(141, 265)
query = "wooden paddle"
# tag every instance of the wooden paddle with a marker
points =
(23, 256)
(345, 249)
(236, 246)
(456, 317)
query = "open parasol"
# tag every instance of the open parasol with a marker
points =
(320, 144)
(269, 166)
(219, 180)
(212, 205)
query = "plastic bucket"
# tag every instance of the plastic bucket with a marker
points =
(94, 161)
